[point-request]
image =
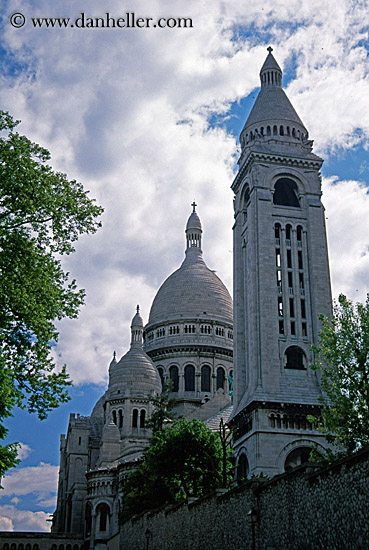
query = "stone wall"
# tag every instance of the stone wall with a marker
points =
(305, 509)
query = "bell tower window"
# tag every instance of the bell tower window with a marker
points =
(285, 193)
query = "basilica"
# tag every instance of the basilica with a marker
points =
(248, 366)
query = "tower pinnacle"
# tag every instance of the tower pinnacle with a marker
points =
(193, 231)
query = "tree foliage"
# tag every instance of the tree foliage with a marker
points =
(343, 361)
(41, 215)
(184, 460)
(163, 405)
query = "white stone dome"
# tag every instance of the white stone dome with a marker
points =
(193, 290)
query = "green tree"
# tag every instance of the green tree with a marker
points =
(163, 405)
(184, 460)
(343, 361)
(41, 215)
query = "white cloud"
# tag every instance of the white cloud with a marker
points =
(6, 524)
(39, 480)
(127, 112)
(24, 451)
(13, 519)
(347, 207)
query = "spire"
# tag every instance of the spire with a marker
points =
(270, 73)
(114, 360)
(272, 115)
(193, 231)
(137, 330)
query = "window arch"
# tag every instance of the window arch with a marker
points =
(242, 468)
(115, 417)
(161, 374)
(299, 233)
(220, 378)
(295, 458)
(295, 358)
(174, 376)
(189, 378)
(285, 193)
(120, 414)
(134, 418)
(142, 418)
(88, 519)
(103, 513)
(205, 378)
(246, 195)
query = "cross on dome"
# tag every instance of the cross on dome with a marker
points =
(194, 206)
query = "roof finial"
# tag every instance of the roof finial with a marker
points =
(138, 309)
(194, 206)
(114, 355)
(270, 49)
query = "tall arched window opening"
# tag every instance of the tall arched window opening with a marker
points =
(142, 418)
(220, 378)
(295, 357)
(174, 376)
(205, 378)
(285, 193)
(189, 378)
(134, 418)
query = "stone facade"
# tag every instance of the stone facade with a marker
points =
(281, 282)
(305, 509)
(189, 334)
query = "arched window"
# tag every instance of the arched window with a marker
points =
(115, 417)
(268, 131)
(288, 232)
(281, 131)
(298, 456)
(277, 233)
(246, 195)
(285, 193)
(173, 375)
(88, 519)
(103, 513)
(295, 358)
(205, 378)
(120, 418)
(189, 378)
(242, 468)
(20, 546)
(134, 418)
(142, 418)
(220, 378)
(299, 233)
(161, 374)
(275, 130)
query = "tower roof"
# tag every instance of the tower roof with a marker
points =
(272, 104)
(192, 290)
(194, 220)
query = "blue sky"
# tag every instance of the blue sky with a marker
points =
(148, 120)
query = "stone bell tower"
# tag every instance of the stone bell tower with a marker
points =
(281, 283)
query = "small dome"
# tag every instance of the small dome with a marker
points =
(194, 222)
(137, 319)
(135, 371)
